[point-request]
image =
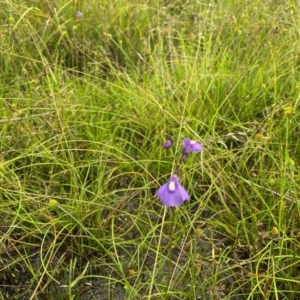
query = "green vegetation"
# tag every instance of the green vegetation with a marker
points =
(86, 103)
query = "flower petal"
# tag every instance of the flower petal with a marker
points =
(163, 191)
(196, 147)
(172, 199)
(183, 193)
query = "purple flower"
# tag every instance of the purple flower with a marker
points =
(79, 14)
(172, 193)
(190, 146)
(168, 144)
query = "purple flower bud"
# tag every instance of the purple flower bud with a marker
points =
(79, 14)
(172, 193)
(168, 144)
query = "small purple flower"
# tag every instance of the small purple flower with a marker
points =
(168, 144)
(172, 193)
(190, 146)
(79, 14)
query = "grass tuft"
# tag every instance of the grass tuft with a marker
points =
(86, 103)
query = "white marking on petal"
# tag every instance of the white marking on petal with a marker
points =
(192, 142)
(172, 186)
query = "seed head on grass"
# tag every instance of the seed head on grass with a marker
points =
(131, 272)
(288, 110)
(172, 193)
(259, 136)
(52, 202)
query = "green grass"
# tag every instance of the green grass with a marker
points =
(86, 104)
